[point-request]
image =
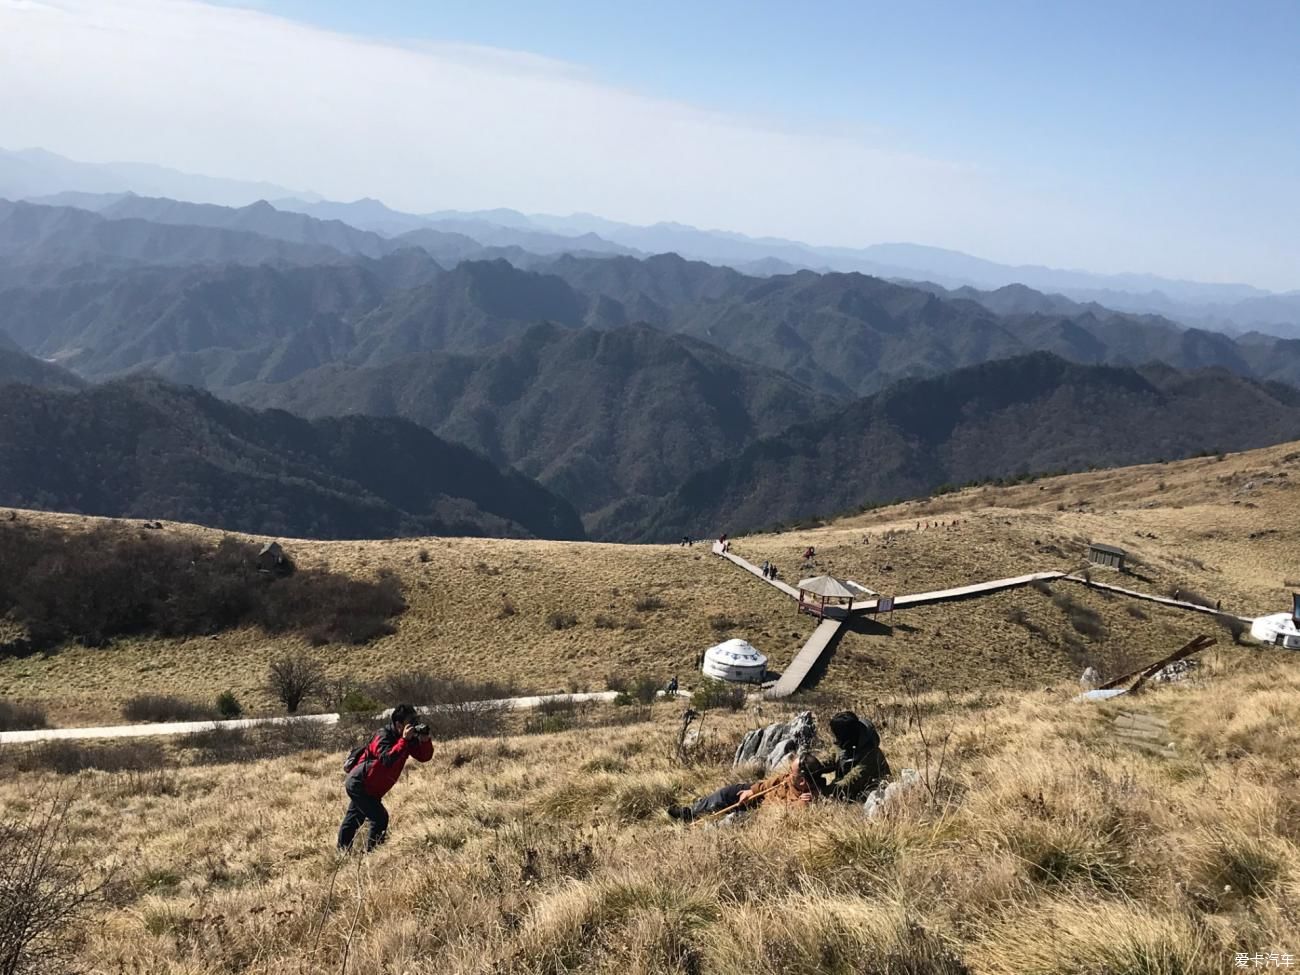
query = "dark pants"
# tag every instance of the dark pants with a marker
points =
(361, 808)
(728, 795)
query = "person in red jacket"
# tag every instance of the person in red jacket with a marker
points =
(376, 769)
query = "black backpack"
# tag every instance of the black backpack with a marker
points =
(356, 755)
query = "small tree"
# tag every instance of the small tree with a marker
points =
(228, 705)
(292, 679)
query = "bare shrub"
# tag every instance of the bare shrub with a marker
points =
(225, 745)
(294, 678)
(164, 707)
(71, 757)
(422, 688)
(15, 716)
(1137, 612)
(647, 603)
(604, 622)
(721, 623)
(45, 893)
(561, 619)
(710, 693)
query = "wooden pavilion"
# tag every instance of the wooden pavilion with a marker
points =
(823, 596)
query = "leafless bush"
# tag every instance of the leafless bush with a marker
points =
(15, 716)
(71, 757)
(647, 603)
(224, 745)
(164, 707)
(711, 693)
(44, 891)
(294, 678)
(561, 619)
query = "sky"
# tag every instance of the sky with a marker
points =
(1158, 137)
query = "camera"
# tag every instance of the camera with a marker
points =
(422, 730)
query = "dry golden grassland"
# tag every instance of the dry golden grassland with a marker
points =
(1226, 528)
(1048, 846)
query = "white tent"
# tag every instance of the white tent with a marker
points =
(1278, 629)
(735, 660)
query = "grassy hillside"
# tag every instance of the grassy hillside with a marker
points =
(1044, 844)
(487, 608)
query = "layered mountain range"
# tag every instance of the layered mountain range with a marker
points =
(655, 395)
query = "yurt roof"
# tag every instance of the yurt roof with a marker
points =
(736, 652)
(826, 586)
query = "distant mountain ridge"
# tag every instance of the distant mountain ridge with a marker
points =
(145, 449)
(611, 420)
(35, 173)
(27, 173)
(1031, 414)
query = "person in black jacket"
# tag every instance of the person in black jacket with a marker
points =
(858, 765)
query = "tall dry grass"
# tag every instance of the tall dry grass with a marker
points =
(1050, 846)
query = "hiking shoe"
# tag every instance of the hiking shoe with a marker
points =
(680, 812)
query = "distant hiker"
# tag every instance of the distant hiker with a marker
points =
(686, 540)
(671, 689)
(373, 769)
(809, 554)
(767, 569)
(858, 763)
(791, 786)
(774, 573)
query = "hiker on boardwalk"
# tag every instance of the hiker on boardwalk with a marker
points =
(374, 768)
(767, 569)
(790, 786)
(857, 765)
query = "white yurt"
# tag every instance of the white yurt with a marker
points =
(1280, 629)
(735, 660)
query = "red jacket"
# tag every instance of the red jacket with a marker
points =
(381, 763)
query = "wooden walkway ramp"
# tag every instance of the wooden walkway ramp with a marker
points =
(806, 658)
(1162, 600)
(754, 570)
(825, 633)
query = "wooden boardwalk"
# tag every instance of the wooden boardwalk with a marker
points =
(1162, 600)
(751, 568)
(824, 635)
(806, 658)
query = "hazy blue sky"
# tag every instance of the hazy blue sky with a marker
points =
(1153, 136)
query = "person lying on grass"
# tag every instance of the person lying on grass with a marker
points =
(856, 766)
(374, 768)
(790, 786)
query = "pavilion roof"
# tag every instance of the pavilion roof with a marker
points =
(826, 586)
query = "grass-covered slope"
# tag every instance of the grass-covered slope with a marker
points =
(1047, 845)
